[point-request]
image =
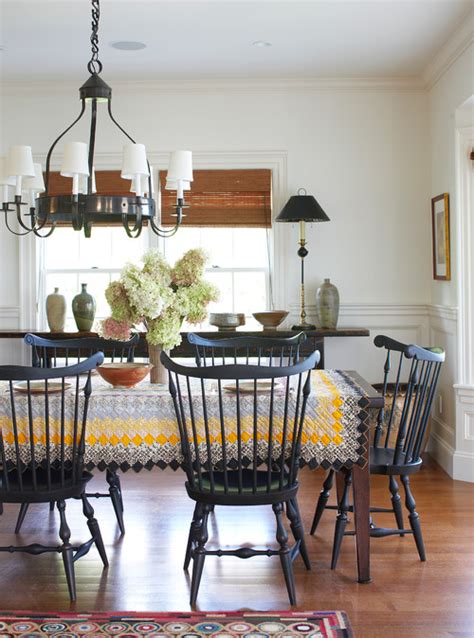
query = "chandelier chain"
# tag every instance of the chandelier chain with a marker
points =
(95, 65)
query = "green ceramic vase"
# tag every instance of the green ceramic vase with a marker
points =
(83, 309)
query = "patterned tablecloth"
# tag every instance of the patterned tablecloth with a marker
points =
(136, 428)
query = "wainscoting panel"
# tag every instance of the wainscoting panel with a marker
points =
(443, 333)
(11, 350)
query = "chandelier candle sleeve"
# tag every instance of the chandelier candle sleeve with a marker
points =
(34, 185)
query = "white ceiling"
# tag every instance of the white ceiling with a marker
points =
(47, 39)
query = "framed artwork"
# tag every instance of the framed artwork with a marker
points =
(440, 229)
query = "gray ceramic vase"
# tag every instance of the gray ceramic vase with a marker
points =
(83, 309)
(327, 304)
(56, 311)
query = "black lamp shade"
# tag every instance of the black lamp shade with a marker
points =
(302, 208)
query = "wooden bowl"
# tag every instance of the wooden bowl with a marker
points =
(270, 319)
(124, 375)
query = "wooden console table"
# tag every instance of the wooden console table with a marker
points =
(315, 338)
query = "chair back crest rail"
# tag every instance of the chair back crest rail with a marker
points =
(411, 375)
(227, 453)
(55, 423)
(276, 351)
(49, 353)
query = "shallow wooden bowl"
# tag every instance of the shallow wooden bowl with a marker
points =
(270, 319)
(124, 375)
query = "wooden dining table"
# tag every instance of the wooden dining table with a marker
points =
(135, 429)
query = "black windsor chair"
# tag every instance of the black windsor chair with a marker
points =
(240, 448)
(42, 453)
(278, 351)
(403, 418)
(50, 353)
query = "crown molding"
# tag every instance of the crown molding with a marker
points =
(221, 85)
(452, 49)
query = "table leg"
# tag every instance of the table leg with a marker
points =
(361, 488)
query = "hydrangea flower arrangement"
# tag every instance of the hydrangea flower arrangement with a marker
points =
(160, 297)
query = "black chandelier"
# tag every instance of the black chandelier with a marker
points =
(84, 207)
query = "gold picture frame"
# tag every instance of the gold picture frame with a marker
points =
(440, 233)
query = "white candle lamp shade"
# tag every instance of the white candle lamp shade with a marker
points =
(172, 185)
(5, 178)
(181, 166)
(75, 161)
(134, 161)
(36, 183)
(20, 162)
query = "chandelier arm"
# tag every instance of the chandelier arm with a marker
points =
(14, 232)
(19, 219)
(130, 231)
(51, 149)
(109, 106)
(50, 232)
(163, 232)
(92, 145)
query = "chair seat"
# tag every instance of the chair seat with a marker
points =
(381, 462)
(44, 493)
(247, 496)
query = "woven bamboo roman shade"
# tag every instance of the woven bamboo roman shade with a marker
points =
(232, 198)
(229, 198)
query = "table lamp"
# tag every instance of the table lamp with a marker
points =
(302, 208)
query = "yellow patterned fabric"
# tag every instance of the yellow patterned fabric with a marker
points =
(137, 428)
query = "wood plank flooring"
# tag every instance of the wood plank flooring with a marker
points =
(407, 598)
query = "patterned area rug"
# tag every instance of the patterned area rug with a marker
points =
(313, 624)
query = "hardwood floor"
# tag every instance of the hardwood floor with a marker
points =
(406, 598)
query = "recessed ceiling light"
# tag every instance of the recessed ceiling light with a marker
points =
(128, 45)
(262, 44)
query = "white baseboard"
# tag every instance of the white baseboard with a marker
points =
(442, 452)
(463, 467)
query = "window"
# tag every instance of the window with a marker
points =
(69, 259)
(238, 266)
(229, 217)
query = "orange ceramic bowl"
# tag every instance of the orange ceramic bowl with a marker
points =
(124, 375)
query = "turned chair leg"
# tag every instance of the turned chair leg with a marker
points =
(284, 552)
(94, 529)
(396, 502)
(67, 551)
(294, 516)
(322, 500)
(414, 518)
(193, 531)
(199, 554)
(341, 520)
(21, 517)
(116, 497)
